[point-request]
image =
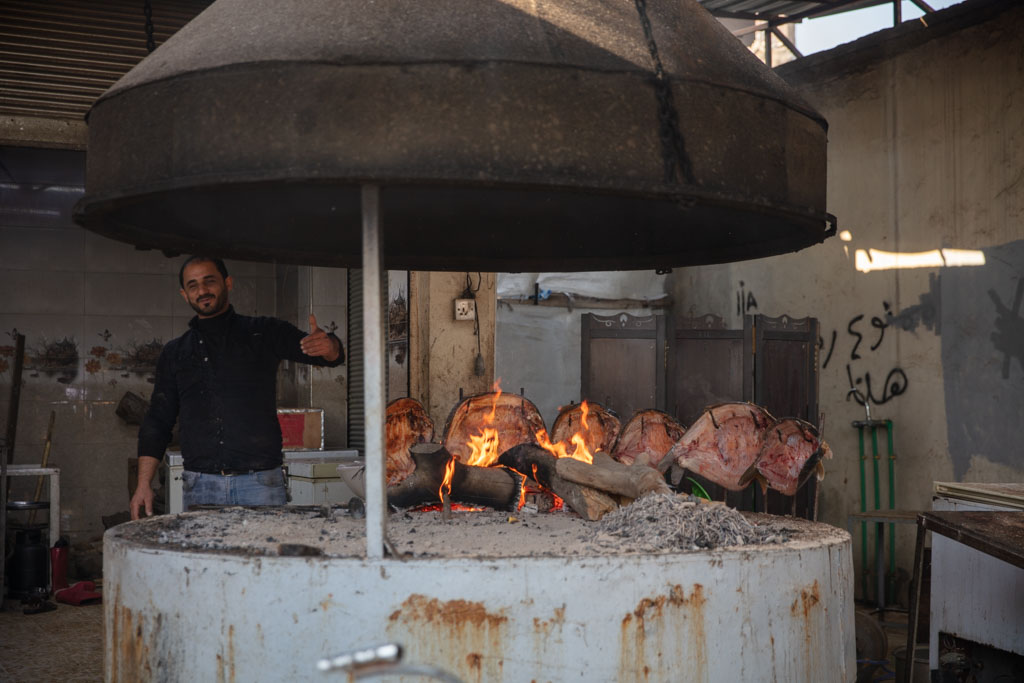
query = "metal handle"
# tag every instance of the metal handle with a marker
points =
(379, 661)
(356, 660)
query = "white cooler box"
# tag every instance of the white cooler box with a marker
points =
(312, 477)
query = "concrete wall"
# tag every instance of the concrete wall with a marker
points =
(95, 314)
(926, 151)
(539, 351)
(442, 350)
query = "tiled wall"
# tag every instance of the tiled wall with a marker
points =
(95, 313)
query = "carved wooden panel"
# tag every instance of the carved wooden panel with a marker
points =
(708, 364)
(622, 362)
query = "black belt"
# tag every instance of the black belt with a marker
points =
(231, 473)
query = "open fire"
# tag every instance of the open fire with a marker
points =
(486, 446)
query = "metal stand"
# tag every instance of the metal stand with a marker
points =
(54, 474)
(880, 518)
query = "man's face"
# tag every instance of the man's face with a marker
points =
(206, 290)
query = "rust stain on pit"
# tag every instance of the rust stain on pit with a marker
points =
(547, 634)
(129, 649)
(652, 633)
(543, 626)
(809, 597)
(459, 631)
(803, 606)
(455, 614)
(226, 663)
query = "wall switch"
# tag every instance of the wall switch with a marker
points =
(465, 309)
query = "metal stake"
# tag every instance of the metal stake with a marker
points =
(373, 372)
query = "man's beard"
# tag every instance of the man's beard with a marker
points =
(218, 305)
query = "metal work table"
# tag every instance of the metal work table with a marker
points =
(996, 533)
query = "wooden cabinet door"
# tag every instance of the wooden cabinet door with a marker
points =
(623, 362)
(708, 364)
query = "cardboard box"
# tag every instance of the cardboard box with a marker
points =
(301, 428)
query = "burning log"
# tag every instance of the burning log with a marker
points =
(482, 427)
(535, 462)
(598, 426)
(605, 474)
(494, 487)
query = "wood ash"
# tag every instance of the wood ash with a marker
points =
(672, 523)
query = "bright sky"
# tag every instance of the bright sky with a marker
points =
(825, 33)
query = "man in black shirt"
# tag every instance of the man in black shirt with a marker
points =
(219, 381)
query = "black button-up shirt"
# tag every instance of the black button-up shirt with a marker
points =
(219, 380)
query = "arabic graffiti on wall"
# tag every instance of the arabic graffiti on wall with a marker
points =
(864, 338)
(745, 301)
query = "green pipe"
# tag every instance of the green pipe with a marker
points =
(878, 498)
(863, 524)
(892, 506)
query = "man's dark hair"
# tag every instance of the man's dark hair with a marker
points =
(221, 268)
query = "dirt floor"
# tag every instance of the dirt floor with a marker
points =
(63, 645)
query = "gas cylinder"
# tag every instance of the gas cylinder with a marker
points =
(29, 564)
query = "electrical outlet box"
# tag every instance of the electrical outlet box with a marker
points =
(465, 309)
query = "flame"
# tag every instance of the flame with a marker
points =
(585, 409)
(446, 483)
(484, 450)
(556, 449)
(494, 403)
(581, 452)
(561, 450)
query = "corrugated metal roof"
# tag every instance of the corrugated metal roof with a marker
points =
(779, 11)
(57, 57)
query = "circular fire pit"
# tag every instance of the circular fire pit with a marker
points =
(253, 595)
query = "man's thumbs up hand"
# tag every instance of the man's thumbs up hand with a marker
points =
(319, 344)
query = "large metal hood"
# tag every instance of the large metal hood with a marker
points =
(503, 134)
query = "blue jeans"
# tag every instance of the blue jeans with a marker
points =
(256, 488)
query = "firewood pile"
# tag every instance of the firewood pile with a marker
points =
(495, 449)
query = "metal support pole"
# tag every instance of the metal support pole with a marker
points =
(915, 600)
(768, 48)
(863, 525)
(373, 371)
(880, 568)
(879, 528)
(897, 12)
(892, 506)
